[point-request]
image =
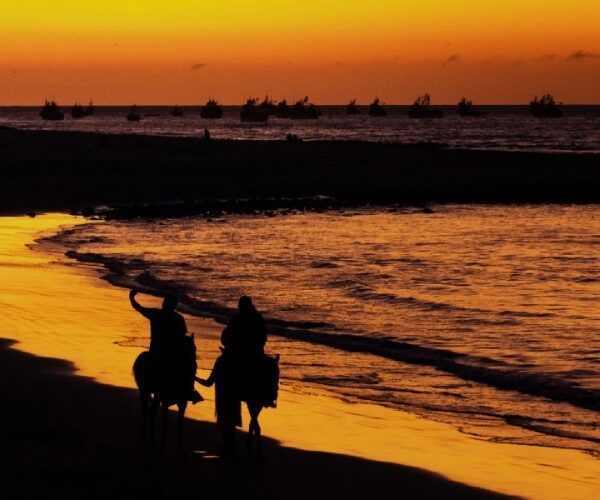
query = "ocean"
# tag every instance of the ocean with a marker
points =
(485, 317)
(503, 127)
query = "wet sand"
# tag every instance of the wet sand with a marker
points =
(46, 170)
(75, 428)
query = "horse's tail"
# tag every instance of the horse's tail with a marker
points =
(271, 381)
(141, 370)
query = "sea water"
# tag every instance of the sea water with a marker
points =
(502, 128)
(486, 317)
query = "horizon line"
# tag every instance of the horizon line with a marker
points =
(291, 102)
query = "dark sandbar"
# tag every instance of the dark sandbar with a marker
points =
(44, 170)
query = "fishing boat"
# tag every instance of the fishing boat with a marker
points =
(133, 115)
(545, 107)
(376, 109)
(352, 108)
(91, 109)
(251, 112)
(51, 111)
(465, 108)
(77, 111)
(303, 110)
(176, 111)
(283, 109)
(268, 106)
(421, 108)
(211, 110)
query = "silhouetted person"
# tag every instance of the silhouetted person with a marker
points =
(167, 335)
(246, 334)
(239, 373)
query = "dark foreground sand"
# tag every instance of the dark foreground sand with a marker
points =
(66, 436)
(65, 170)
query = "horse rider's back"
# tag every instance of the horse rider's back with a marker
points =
(245, 334)
(167, 327)
(167, 331)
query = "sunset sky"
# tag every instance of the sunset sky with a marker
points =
(184, 51)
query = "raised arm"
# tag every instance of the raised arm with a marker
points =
(144, 311)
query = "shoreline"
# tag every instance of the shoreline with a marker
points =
(334, 426)
(83, 441)
(63, 171)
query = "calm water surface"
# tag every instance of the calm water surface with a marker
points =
(504, 127)
(485, 317)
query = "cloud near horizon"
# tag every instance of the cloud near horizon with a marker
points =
(582, 54)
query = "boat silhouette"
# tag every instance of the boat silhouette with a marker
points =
(91, 109)
(376, 109)
(77, 111)
(545, 107)
(352, 108)
(251, 112)
(51, 111)
(421, 108)
(283, 109)
(211, 110)
(268, 106)
(176, 111)
(465, 108)
(133, 115)
(303, 110)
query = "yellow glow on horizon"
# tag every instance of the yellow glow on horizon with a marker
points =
(266, 33)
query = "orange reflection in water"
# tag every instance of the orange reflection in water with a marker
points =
(56, 310)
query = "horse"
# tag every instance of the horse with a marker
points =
(173, 387)
(254, 382)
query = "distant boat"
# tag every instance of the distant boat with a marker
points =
(251, 112)
(51, 111)
(268, 106)
(545, 107)
(466, 108)
(133, 115)
(303, 110)
(376, 109)
(91, 109)
(211, 110)
(77, 111)
(283, 110)
(421, 108)
(352, 108)
(176, 111)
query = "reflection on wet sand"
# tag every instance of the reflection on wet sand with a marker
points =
(56, 310)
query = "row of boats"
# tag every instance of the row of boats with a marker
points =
(255, 111)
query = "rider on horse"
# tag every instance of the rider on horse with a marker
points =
(243, 367)
(245, 335)
(167, 341)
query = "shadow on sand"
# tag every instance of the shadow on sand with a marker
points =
(68, 436)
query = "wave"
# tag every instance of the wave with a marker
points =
(122, 272)
(362, 291)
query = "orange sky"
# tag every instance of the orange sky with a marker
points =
(167, 51)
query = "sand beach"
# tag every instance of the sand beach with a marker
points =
(72, 413)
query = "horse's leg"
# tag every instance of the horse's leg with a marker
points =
(154, 404)
(165, 424)
(254, 428)
(250, 436)
(228, 451)
(144, 402)
(180, 421)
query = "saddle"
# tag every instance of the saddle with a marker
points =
(255, 379)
